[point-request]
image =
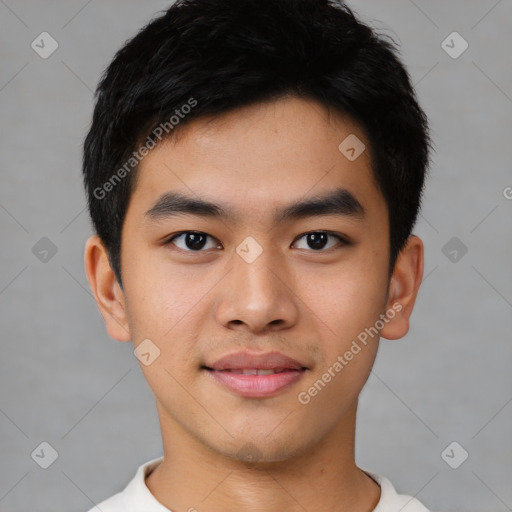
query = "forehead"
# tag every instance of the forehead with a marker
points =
(258, 157)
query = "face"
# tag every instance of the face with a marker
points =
(254, 272)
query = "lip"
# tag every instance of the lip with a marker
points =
(256, 386)
(265, 361)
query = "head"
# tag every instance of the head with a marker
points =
(243, 112)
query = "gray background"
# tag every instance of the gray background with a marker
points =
(64, 381)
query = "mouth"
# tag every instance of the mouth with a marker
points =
(255, 375)
(256, 371)
(256, 382)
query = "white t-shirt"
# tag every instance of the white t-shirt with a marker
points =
(136, 497)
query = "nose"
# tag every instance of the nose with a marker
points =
(257, 296)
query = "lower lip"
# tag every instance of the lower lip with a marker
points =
(256, 386)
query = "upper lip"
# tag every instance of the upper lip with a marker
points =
(265, 361)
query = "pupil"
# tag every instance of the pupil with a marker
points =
(195, 240)
(317, 240)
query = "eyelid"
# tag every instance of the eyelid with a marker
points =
(169, 240)
(342, 238)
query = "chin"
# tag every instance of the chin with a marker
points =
(265, 451)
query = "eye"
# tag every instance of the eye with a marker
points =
(192, 241)
(318, 240)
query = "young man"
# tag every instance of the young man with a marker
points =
(254, 169)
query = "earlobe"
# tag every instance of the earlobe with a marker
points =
(403, 288)
(106, 290)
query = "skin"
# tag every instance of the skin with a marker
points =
(308, 304)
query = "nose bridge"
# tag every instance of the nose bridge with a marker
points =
(257, 275)
(254, 291)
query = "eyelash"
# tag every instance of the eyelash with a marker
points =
(343, 240)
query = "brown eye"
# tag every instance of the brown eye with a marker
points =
(318, 240)
(192, 241)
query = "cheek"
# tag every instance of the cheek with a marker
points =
(346, 299)
(348, 307)
(168, 308)
(160, 295)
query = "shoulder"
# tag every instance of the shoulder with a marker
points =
(115, 503)
(135, 496)
(391, 501)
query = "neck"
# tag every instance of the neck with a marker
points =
(193, 476)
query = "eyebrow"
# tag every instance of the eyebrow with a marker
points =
(340, 202)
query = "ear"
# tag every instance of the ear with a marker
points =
(107, 292)
(403, 288)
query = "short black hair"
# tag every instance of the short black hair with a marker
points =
(207, 57)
